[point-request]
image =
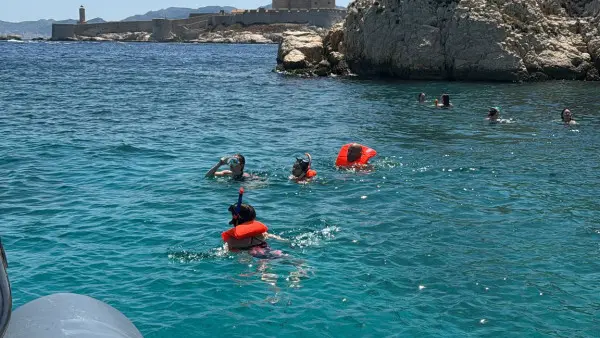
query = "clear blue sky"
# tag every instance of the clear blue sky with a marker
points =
(26, 10)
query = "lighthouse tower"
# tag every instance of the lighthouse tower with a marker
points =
(82, 15)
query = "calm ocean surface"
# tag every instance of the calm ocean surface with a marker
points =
(463, 229)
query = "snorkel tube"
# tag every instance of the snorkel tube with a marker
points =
(238, 207)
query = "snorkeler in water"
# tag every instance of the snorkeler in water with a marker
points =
(301, 171)
(354, 155)
(248, 234)
(236, 164)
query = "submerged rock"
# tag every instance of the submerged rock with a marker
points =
(505, 40)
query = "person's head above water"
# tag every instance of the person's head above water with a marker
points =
(301, 170)
(354, 152)
(247, 214)
(566, 115)
(493, 113)
(301, 167)
(236, 164)
(445, 100)
(421, 97)
(354, 155)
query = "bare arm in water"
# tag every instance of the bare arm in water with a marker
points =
(213, 171)
(267, 235)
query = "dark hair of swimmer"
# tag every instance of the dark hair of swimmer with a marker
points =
(242, 160)
(446, 100)
(562, 114)
(354, 152)
(493, 111)
(247, 213)
(421, 97)
(302, 164)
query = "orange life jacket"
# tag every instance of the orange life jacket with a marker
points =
(366, 155)
(311, 173)
(245, 230)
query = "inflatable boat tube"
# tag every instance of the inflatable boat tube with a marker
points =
(60, 315)
(5, 294)
(69, 315)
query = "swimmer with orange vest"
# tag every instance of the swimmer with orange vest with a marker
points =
(247, 233)
(301, 171)
(354, 155)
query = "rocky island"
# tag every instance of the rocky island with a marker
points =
(10, 37)
(499, 40)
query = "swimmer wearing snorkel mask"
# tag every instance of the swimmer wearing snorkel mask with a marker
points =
(248, 234)
(301, 170)
(236, 164)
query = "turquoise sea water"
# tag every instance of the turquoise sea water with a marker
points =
(463, 229)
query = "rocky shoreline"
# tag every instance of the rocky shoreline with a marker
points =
(470, 40)
(10, 37)
(501, 40)
(207, 37)
(255, 34)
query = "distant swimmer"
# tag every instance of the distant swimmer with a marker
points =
(421, 98)
(236, 164)
(567, 117)
(247, 233)
(493, 115)
(301, 171)
(445, 102)
(354, 155)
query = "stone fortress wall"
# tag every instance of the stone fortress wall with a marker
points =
(165, 29)
(303, 4)
(314, 17)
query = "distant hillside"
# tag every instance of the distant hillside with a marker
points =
(177, 13)
(33, 29)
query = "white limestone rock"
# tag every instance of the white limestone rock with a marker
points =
(310, 44)
(294, 59)
(505, 40)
